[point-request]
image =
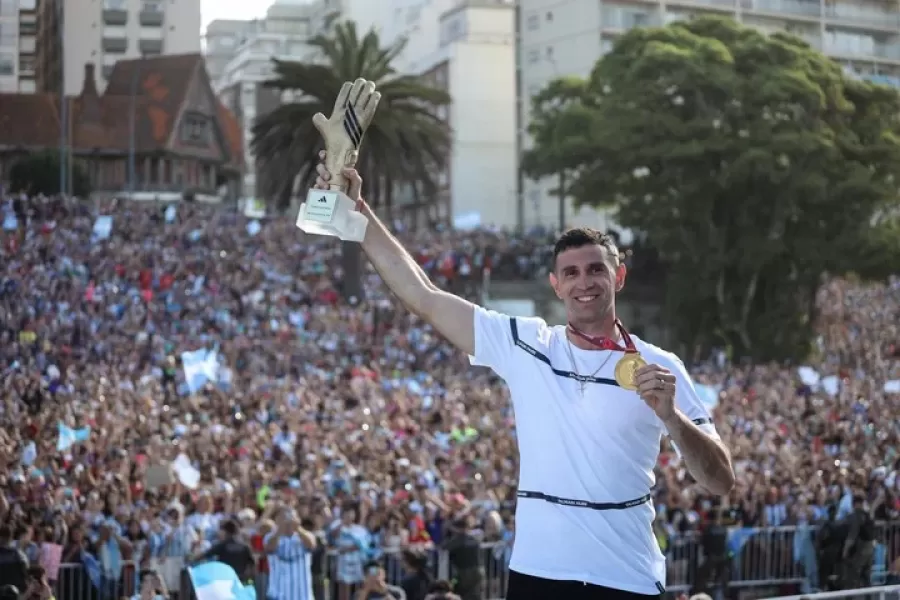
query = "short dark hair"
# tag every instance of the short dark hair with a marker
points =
(230, 527)
(584, 236)
(372, 564)
(441, 586)
(5, 532)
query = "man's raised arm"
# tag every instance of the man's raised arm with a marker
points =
(451, 315)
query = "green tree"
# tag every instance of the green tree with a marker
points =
(560, 121)
(406, 145)
(38, 173)
(753, 165)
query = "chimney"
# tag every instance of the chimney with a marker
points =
(90, 99)
(90, 80)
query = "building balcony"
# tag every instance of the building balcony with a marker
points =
(803, 9)
(116, 45)
(150, 47)
(114, 16)
(151, 18)
(884, 21)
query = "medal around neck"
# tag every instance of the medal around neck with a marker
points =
(331, 212)
(626, 368)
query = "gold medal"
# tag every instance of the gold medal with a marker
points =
(626, 368)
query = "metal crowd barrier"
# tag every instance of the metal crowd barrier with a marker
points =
(73, 583)
(762, 558)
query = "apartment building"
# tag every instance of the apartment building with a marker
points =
(467, 47)
(18, 41)
(565, 37)
(239, 58)
(77, 32)
(223, 36)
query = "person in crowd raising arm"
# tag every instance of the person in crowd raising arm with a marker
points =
(591, 403)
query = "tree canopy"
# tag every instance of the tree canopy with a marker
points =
(751, 163)
(38, 173)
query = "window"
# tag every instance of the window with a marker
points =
(549, 16)
(26, 64)
(9, 35)
(228, 41)
(7, 63)
(27, 28)
(533, 22)
(114, 4)
(195, 130)
(533, 56)
(152, 6)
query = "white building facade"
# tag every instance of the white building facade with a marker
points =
(566, 38)
(467, 47)
(18, 38)
(106, 31)
(241, 55)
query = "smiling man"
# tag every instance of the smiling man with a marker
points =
(592, 403)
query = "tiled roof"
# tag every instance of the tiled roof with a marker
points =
(231, 129)
(28, 120)
(103, 123)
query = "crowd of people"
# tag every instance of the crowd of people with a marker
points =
(354, 413)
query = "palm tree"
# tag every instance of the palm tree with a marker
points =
(407, 144)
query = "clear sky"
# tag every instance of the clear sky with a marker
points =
(211, 10)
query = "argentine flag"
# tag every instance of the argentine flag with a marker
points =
(68, 437)
(218, 581)
(200, 366)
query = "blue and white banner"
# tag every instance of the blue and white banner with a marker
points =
(68, 437)
(218, 581)
(200, 366)
(102, 229)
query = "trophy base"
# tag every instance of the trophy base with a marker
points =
(332, 213)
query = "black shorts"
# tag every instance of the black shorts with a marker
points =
(526, 587)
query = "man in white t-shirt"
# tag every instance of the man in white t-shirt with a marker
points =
(592, 403)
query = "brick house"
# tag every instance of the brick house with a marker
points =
(184, 138)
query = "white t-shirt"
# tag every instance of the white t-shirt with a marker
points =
(600, 448)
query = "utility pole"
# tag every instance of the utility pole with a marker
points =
(63, 105)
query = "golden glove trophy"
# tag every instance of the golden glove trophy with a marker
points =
(331, 212)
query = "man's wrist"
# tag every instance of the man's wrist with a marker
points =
(675, 422)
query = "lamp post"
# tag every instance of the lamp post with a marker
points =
(63, 105)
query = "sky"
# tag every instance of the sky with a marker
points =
(211, 10)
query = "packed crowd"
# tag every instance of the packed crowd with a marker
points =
(352, 411)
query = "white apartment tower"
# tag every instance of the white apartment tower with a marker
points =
(566, 38)
(239, 58)
(106, 31)
(467, 47)
(18, 45)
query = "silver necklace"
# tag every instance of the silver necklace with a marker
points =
(582, 383)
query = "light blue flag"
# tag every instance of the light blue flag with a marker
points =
(68, 437)
(218, 581)
(102, 228)
(10, 222)
(29, 454)
(200, 366)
